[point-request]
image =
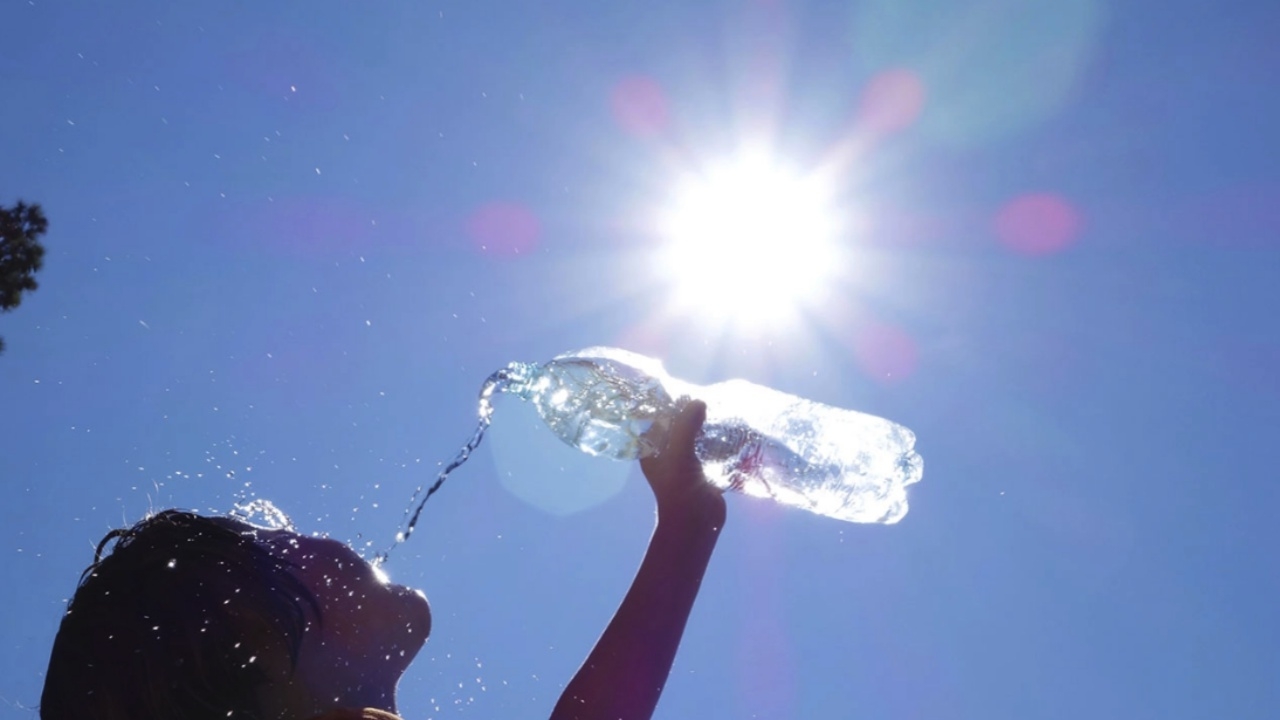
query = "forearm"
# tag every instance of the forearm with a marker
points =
(626, 671)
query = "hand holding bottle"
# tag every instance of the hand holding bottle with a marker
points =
(676, 477)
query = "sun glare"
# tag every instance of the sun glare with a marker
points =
(750, 242)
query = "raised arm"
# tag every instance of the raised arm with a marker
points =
(624, 675)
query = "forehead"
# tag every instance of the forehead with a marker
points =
(231, 523)
(285, 541)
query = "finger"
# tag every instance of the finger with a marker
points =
(684, 431)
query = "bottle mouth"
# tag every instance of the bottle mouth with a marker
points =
(516, 379)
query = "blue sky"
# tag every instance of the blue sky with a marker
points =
(288, 242)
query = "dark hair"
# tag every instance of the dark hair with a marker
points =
(171, 623)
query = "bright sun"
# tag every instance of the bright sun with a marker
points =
(750, 242)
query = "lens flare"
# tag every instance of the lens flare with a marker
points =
(639, 106)
(1038, 224)
(504, 229)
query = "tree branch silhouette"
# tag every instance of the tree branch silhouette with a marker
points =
(21, 254)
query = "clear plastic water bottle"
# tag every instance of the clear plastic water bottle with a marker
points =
(614, 403)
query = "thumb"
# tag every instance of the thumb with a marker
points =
(685, 428)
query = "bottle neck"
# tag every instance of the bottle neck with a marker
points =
(516, 378)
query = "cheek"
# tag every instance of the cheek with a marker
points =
(359, 609)
(395, 623)
(391, 610)
(338, 587)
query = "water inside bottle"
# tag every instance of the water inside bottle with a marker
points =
(830, 461)
(602, 406)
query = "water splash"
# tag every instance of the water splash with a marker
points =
(504, 380)
(263, 513)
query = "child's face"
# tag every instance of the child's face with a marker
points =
(369, 629)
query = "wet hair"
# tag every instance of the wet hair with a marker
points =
(171, 624)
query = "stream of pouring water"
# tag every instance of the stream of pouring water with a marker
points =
(496, 383)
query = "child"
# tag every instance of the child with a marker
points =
(193, 617)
